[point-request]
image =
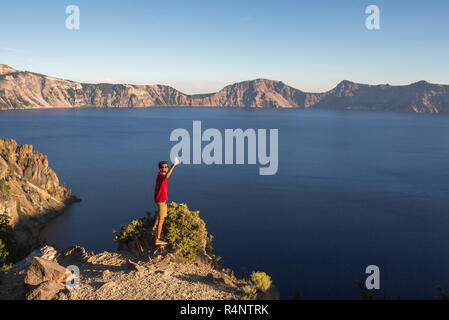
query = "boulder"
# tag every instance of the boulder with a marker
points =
(46, 252)
(42, 270)
(76, 254)
(45, 291)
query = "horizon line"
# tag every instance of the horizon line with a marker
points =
(230, 84)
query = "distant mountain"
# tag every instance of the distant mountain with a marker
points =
(416, 97)
(27, 90)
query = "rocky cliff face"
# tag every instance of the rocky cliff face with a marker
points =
(25, 90)
(416, 97)
(6, 69)
(259, 93)
(30, 192)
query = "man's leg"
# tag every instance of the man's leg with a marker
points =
(156, 222)
(159, 228)
(161, 215)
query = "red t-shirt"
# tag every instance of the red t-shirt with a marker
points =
(160, 192)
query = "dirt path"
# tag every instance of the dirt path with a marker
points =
(107, 276)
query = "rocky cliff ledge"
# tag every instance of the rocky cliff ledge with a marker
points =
(117, 276)
(185, 269)
(30, 192)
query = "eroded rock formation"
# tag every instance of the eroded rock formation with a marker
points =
(30, 192)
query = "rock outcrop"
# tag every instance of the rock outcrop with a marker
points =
(45, 291)
(30, 192)
(139, 270)
(4, 69)
(37, 277)
(42, 270)
(26, 90)
(45, 252)
(115, 276)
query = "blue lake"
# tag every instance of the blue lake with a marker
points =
(353, 189)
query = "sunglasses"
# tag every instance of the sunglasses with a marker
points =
(163, 167)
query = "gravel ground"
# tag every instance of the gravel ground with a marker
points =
(108, 276)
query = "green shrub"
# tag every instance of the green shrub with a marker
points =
(185, 231)
(250, 292)
(132, 231)
(16, 251)
(259, 282)
(5, 265)
(6, 232)
(210, 250)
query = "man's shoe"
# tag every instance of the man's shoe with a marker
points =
(159, 242)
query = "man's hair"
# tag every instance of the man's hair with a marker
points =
(161, 163)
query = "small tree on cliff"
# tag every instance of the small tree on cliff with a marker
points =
(4, 264)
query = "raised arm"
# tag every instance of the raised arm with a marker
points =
(169, 171)
(171, 168)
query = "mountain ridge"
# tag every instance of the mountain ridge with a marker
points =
(29, 90)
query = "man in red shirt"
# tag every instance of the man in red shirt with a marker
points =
(160, 197)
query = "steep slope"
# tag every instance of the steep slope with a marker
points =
(125, 95)
(26, 90)
(4, 69)
(30, 192)
(261, 93)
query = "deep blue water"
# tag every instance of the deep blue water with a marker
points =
(352, 189)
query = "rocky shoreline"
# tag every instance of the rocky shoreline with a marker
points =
(30, 192)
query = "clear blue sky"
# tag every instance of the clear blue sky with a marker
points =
(200, 46)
